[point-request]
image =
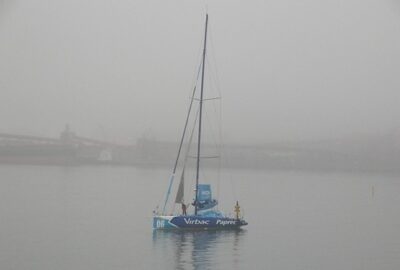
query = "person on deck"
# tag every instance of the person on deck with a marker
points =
(184, 207)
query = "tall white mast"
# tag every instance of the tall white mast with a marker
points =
(200, 116)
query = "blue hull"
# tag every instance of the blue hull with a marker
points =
(196, 222)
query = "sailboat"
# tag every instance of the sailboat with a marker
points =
(204, 215)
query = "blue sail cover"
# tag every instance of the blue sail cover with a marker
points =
(204, 192)
(204, 197)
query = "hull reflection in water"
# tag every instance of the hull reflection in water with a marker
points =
(197, 249)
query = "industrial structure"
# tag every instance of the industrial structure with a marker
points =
(68, 149)
(371, 153)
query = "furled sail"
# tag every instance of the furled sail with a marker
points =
(181, 189)
(180, 195)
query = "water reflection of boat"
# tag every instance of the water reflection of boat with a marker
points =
(198, 249)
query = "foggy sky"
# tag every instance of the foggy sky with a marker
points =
(288, 69)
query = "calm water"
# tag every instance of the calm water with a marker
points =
(100, 218)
